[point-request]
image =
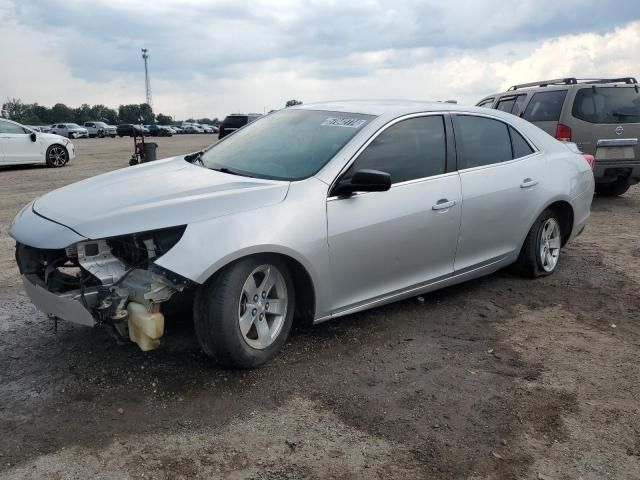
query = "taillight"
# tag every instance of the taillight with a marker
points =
(563, 133)
(591, 160)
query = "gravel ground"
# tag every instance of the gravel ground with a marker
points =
(499, 378)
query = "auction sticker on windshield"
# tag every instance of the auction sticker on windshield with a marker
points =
(343, 122)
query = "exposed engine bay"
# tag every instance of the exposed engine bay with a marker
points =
(114, 280)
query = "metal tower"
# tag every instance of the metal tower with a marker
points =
(147, 80)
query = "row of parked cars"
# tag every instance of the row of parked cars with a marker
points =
(601, 116)
(102, 129)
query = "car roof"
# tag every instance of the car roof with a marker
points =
(386, 107)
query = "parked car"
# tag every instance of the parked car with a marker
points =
(177, 129)
(191, 128)
(206, 128)
(235, 121)
(23, 145)
(44, 128)
(160, 131)
(126, 130)
(601, 116)
(358, 205)
(69, 130)
(100, 129)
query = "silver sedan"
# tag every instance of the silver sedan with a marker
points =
(310, 213)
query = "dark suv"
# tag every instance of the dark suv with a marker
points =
(601, 116)
(234, 122)
(126, 130)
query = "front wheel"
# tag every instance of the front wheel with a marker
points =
(243, 314)
(541, 250)
(57, 156)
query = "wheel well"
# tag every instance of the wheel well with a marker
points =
(305, 292)
(565, 215)
(57, 145)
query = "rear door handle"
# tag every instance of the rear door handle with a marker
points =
(528, 183)
(443, 204)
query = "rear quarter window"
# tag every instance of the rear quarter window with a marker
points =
(607, 105)
(545, 106)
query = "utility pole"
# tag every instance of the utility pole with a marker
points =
(147, 80)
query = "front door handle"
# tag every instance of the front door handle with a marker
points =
(443, 204)
(528, 183)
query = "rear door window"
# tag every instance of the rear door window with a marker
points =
(481, 141)
(545, 106)
(607, 105)
(512, 104)
(506, 104)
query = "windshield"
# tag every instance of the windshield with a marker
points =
(607, 105)
(73, 125)
(286, 145)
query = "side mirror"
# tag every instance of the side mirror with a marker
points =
(33, 136)
(363, 181)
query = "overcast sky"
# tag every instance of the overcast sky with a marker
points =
(210, 58)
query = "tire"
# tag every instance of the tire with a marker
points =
(57, 156)
(532, 261)
(224, 301)
(615, 189)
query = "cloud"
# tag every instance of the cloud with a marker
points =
(210, 58)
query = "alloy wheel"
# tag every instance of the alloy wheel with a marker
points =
(263, 306)
(549, 244)
(57, 156)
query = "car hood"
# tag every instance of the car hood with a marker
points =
(155, 195)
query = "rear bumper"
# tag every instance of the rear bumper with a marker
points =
(67, 306)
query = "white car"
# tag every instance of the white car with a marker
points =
(70, 130)
(21, 145)
(207, 128)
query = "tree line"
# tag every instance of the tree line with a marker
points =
(35, 114)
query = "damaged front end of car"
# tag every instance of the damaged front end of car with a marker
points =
(112, 281)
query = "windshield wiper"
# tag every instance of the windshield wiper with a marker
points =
(195, 157)
(231, 172)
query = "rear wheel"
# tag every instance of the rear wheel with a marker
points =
(614, 189)
(57, 156)
(244, 313)
(541, 250)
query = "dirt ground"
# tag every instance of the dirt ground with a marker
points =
(499, 378)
